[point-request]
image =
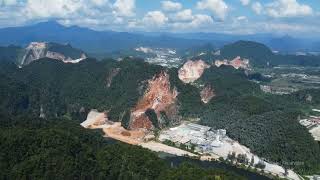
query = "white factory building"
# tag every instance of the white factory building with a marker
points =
(204, 138)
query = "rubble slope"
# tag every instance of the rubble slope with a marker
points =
(159, 97)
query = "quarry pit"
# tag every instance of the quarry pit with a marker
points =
(209, 144)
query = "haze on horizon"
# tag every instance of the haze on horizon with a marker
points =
(281, 17)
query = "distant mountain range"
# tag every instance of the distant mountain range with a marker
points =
(285, 44)
(94, 42)
(104, 42)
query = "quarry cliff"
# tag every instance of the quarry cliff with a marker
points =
(192, 70)
(38, 50)
(207, 93)
(237, 63)
(160, 99)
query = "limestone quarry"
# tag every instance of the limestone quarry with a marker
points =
(210, 144)
(95, 119)
(206, 94)
(192, 70)
(38, 50)
(99, 120)
(160, 97)
(139, 137)
(237, 63)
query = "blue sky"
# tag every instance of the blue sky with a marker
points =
(292, 17)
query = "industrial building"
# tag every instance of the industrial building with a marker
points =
(203, 138)
(198, 127)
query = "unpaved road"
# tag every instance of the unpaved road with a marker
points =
(159, 147)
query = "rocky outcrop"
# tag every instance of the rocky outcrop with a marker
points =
(237, 63)
(219, 63)
(38, 50)
(111, 75)
(161, 98)
(34, 51)
(240, 63)
(140, 121)
(95, 118)
(207, 93)
(192, 70)
(42, 114)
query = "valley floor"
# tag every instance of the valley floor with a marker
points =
(115, 131)
(159, 147)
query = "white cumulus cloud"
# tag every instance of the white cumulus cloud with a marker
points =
(257, 7)
(8, 2)
(241, 18)
(171, 6)
(185, 19)
(100, 2)
(96, 14)
(124, 8)
(184, 15)
(218, 7)
(201, 20)
(40, 9)
(49, 8)
(155, 18)
(198, 21)
(245, 2)
(288, 8)
(123, 15)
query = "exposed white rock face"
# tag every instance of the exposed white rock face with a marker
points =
(69, 60)
(42, 114)
(144, 49)
(35, 50)
(95, 118)
(192, 70)
(237, 63)
(58, 56)
(38, 50)
(206, 94)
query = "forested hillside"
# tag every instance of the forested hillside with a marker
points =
(11, 53)
(267, 124)
(262, 56)
(259, 55)
(67, 89)
(33, 148)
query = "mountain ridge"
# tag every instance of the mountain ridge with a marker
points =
(89, 40)
(52, 31)
(55, 89)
